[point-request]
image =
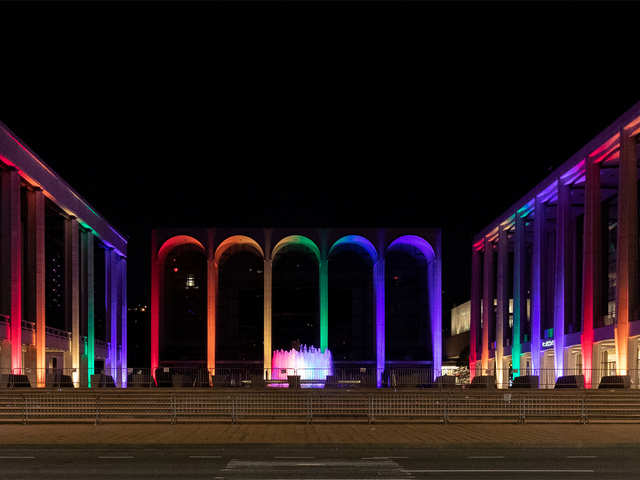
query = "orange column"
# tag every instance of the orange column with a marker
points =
(627, 247)
(487, 302)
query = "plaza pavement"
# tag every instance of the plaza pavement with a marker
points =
(407, 434)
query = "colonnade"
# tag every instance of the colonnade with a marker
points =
(79, 283)
(510, 235)
(268, 252)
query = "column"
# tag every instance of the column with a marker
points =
(537, 293)
(157, 272)
(87, 248)
(561, 299)
(435, 310)
(503, 301)
(123, 321)
(268, 263)
(487, 302)
(476, 289)
(324, 302)
(111, 285)
(212, 296)
(11, 242)
(519, 291)
(592, 259)
(379, 309)
(35, 272)
(627, 248)
(72, 291)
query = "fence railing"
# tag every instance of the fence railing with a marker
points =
(311, 406)
(547, 378)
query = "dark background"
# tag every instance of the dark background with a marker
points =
(312, 114)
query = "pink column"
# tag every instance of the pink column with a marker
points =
(156, 282)
(627, 247)
(591, 269)
(487, 302)
(502, 310)
(11, 242)
(562, 302)
(476, 288)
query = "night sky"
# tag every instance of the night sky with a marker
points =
(309, 114)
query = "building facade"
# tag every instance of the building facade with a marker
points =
(216, 245)
(62, 276)
(555, 277)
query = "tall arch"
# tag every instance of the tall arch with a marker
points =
(410, 243)
(309, 245)
(230, 246)
(364, 246)
(159, 258)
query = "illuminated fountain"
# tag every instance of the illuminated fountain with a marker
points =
(310, 363)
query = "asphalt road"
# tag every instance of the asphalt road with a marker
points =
(269, 462)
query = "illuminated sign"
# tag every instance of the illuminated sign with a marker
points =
(547, 343)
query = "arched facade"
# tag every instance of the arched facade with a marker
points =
(268, 242)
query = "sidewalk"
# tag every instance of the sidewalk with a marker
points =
(561, 435)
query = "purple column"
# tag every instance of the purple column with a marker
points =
(378, 288)
(123, 320)
(487, 302)
(502, 310)
(562, 276)
(536, 285)
(435, 310)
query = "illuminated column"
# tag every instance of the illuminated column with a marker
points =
(123, 321)
(111, 284)
(35, 277)
(379, 309)
(324, 303)
(591, 264)
(487, 302)
(435, 310)
(157, 272)
(502, 310)
(627, 247)
(10, 237)
(562, 275)
(212, 294)
(519, 292)
(536, 284)
(72, 291)
(268, 264)
(87, 248)
(476, 289)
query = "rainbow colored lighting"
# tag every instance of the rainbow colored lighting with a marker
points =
(310, 363)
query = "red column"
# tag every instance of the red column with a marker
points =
(156, 282)
(591, 261)
(11, 240)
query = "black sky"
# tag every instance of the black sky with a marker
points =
(376, 114)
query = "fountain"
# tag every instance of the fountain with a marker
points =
(310, 363)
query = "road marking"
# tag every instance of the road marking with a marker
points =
(497, 471)
(487, 456)
(9, 457)
(293, 458)
(205, 456)
(115, 457)
(379, 458)
(311, 464)
(582, 456)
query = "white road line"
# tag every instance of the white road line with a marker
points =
(293, 458)
(115, 457)
(582, 456)
(497, 471)
(487, 456)
(311, 464)
(205, 456)
(9, 457)
(380, 458)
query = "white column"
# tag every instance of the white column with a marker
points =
(72, 291)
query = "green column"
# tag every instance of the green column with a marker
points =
(324, 304)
